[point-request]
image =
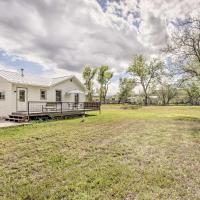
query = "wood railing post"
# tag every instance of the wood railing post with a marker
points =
(28, 109)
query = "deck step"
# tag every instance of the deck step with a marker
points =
(19, 114)
(17, 118)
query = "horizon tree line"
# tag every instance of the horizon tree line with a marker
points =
(155, 76)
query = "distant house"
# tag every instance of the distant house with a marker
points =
(17, 89)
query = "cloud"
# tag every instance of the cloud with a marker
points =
(153, 18)
(67, 35)
(156, 17)
(3, 67)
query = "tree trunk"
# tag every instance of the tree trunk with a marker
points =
(146, 100)
(101, 94)
(104, 99)
(89, 97)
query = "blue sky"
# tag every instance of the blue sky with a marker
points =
(15, 63)
(60, 37)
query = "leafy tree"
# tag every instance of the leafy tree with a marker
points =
(126, 86)
(167, 92)
(104, 77)
(193, 92)
(145, 73)
(88, 75)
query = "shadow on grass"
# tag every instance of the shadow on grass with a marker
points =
(90, 115)
(187, 118)
(194, 128)
(196, 132)
(130, 107)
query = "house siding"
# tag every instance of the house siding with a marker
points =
(65, 87)
(5, 105)
(10, 104)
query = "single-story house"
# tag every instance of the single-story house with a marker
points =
(18, 89)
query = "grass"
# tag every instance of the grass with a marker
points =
(144, 153)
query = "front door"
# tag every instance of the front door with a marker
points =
(22, 99)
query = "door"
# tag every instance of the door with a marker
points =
(22, 99)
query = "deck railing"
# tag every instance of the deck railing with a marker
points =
(49, 107)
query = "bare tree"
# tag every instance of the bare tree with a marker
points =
(167, 92)
(184, 44)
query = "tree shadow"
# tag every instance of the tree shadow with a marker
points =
(90, 115)
(194, 127)
(187, 118)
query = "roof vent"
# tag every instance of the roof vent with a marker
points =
(22, 72)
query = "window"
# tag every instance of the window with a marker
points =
(43, 94)
(58, 95)
(22, 95)
(2, 95)
(76, 98)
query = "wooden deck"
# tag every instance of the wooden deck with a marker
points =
(51, 110)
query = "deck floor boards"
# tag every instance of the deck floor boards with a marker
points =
(58, 113)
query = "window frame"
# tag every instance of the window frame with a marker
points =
(45, 94)
(76, 98)
(2, 94)
(60, 100)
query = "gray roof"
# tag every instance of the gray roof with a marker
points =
(15, 77)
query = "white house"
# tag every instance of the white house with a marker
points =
(17, 89)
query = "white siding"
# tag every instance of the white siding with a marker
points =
(65, 87)
(34, 91)
(6, 105)
(9, 105)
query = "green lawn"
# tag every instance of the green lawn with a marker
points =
(144, 153)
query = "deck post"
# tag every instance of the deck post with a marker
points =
(61, 107)
(28, 110)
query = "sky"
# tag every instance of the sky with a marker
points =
(60, 37)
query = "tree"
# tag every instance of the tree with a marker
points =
(145, 73)
(167, 92)
(168, 86)
(184, 44)
(193, 92)
(104, 77)
(88, 75)
(126, 86)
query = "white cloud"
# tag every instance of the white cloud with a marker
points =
(157, 15)
(3, 67)
(65, 34)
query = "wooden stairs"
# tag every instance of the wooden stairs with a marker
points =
(16, 117)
